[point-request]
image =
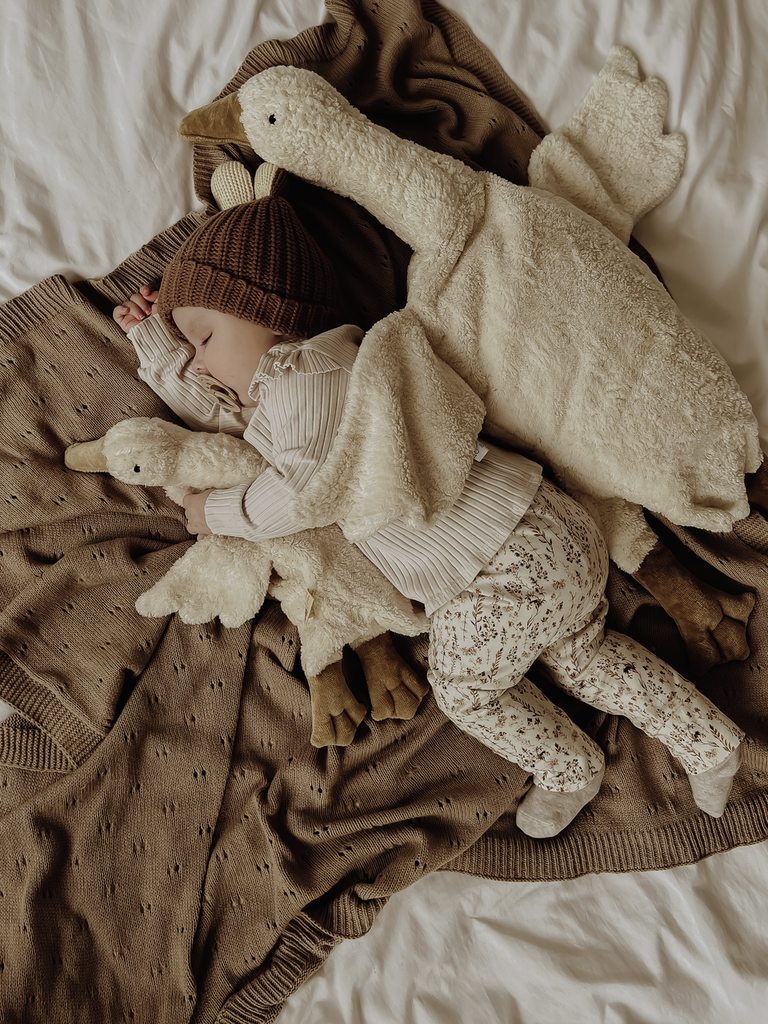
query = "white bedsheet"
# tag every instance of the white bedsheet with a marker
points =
(90, 168)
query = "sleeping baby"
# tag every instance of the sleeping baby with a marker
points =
(513, 573)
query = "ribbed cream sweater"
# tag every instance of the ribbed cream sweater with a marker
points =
(300, 390)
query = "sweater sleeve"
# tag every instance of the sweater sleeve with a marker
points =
(301, 402)
(164, 366)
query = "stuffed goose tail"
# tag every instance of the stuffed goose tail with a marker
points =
(613, 159)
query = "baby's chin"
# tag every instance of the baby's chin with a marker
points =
(243, 393)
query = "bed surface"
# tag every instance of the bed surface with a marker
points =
(90, 169)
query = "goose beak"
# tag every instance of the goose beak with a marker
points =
(215, 123)
(87, 457)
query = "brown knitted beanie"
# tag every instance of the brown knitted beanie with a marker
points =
(257, 262)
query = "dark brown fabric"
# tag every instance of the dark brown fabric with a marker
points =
(256, 262)
(172, 846)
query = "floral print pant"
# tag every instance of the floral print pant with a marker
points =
(541, 598)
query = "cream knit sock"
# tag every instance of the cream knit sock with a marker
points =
(542, 813)
(712, 788)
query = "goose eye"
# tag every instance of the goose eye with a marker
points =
(272, 119)
(137, 469)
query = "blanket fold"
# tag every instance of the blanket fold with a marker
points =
(172, 846)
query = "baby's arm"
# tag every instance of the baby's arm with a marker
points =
(293, 428)
(136, 309)
(164, 364)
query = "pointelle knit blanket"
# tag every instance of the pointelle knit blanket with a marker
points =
(172, 847)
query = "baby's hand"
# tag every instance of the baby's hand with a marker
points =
(136, 309)
(194, 506)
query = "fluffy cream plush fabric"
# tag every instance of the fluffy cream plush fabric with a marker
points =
(578, 353)
(612, 159)
(406, 441)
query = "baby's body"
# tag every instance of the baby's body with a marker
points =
(537, 593)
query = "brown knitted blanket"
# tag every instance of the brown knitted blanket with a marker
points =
(172, 847)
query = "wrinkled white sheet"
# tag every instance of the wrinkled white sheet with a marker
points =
(685, 946)
(90, 168)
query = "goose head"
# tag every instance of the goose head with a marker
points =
(290, 116)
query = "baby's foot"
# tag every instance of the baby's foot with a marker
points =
(712, 788)
(543, 813)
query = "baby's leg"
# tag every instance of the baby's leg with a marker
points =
(522, 725)
(616, 674)
(525, 727)
(545, 577)
(484, 640)
(532, 602)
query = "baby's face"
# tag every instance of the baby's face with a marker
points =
(226, 347)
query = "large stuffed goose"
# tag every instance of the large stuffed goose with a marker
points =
(531, 297)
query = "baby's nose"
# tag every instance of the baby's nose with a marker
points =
(198, 364)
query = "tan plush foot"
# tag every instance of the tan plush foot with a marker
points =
(542, 813)
(712, 623)
(231, 185)
(394, 688)
(712, 788)
(86, 457)
(336, 713)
